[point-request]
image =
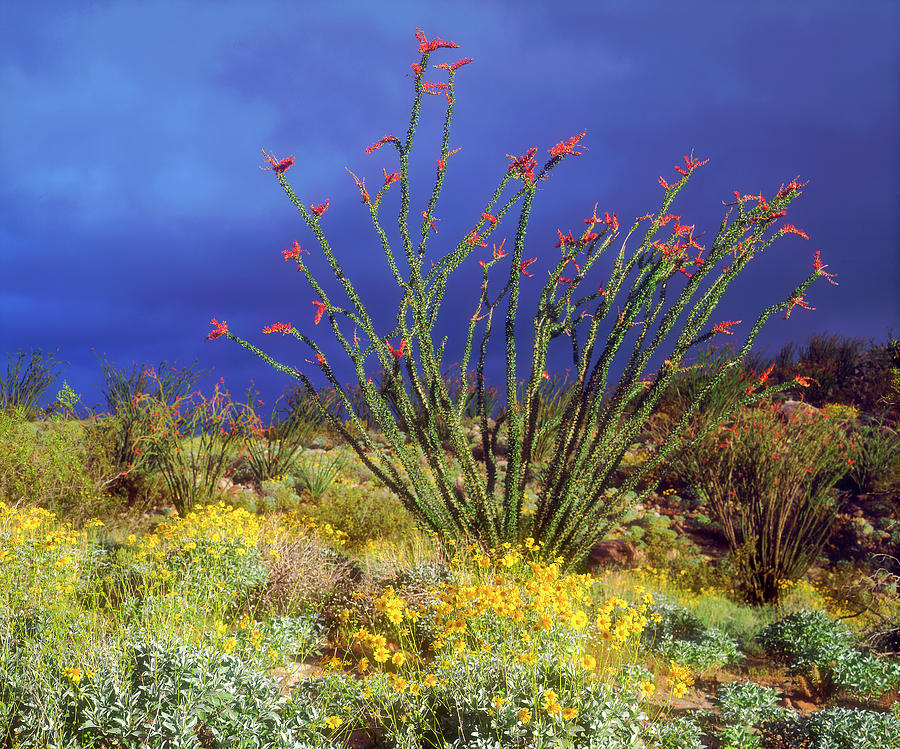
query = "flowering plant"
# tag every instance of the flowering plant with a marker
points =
(192, 447)
(592, 433)
(769, 478)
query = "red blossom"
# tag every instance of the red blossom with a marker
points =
(398, 353)
(318, 210)
(391, 178)
(439, 87)
(524, 165)
(563, 239)
(442, 163)
(722, 327)
(434, 228)
(691, 163)
(221, 329)
(320, 311)
(279, 166)
(820, 269)
(417, 69)
(498, 251)
(665, 184)
(765, 375)
(294, 251)
(565, 147)
(320, 359)
(379, 143)
(436, 43)
(791, 229)
(361, 186)
(489, 217)
(472, 239)
(524, 265)
(797, 301)
(455, 65)
(280, 327)
(613, 222)
(793, 185)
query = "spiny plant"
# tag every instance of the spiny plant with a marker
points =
(25, 383)
(573, 510)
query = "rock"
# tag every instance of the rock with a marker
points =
(790, 409)
(614, 551)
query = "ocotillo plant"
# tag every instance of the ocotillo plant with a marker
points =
(573, 510)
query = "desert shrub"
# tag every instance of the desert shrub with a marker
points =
(876, 453)
(24, 385)
(822, 650)
(834, 728)
(318, 471)
(160, 693)
(841, 370)
(769, 480)
(50, 465)
(678, 733)
(363, 513)
(123, 432)
(710, 362)
(676, 633)
(744, 707)
(270, 451)
(303, 574)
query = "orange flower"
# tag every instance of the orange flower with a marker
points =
(221, 329)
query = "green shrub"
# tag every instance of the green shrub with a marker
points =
(24, 385)
(364, 513)
(680, 635)
(746, 704)
(840, 370)
(160, 693)
(876, 453)
(50, 465)
(316, 474)
(822, 650)
(679, 733)
(834, 728)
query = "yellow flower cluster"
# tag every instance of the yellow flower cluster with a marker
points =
(40, 556)
(75, 675)
(680, 678)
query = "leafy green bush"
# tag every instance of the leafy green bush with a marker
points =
(51, 465)
(676, 633)
(820, 649)
(364, 513)
(745, 706)
(160, 694)
(679, 733)
(834, 728)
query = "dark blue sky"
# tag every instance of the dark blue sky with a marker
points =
(133, 208)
